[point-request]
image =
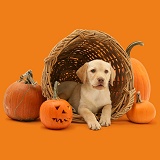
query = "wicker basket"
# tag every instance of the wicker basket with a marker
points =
(82, 46)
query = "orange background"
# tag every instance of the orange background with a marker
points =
(29, 30)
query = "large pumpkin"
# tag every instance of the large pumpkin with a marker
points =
(141, 78)
(22, 99)
(56, 113)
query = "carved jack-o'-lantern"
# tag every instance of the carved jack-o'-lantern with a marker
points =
(56, 113)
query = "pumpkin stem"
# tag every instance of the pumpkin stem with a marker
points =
(28, 78)
(138, 97)
(129, 48)
(55, 96)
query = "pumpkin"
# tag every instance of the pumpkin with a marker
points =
(141, 78)
(142, 111)
(23, 98)
(56, 113)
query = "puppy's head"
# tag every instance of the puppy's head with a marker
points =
(97, 73)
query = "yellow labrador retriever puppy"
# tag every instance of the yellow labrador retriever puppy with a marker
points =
(93, 94)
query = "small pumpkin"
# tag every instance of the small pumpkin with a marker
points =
(142, 111)
(141, 78)
(56, 113)
(23, 98)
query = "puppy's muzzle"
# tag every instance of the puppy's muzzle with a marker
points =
(100, 83)
(100, 80)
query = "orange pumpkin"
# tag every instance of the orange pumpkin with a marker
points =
(141, 78)
(56, 113)
(142, 111)
(22, 99)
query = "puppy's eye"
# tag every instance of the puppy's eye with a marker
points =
(93, 70)
(106, 71)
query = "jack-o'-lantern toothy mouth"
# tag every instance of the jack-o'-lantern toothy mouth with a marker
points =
(60, 120)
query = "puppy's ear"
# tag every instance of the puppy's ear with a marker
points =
(113, 75)
(82, 73)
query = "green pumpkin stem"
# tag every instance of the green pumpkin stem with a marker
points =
(129, 48)
(138, 97)
(55, 96)
(27, 78)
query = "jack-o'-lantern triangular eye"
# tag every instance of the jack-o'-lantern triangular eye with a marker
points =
(57, 107)
(63, 111)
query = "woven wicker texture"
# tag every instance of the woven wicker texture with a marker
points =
(83, 46)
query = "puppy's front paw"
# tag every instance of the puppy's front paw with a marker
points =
(104, 121)
(94, 125)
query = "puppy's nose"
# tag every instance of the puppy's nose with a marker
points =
(100, 80)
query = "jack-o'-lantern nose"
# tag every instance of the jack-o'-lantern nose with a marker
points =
(63, 111)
